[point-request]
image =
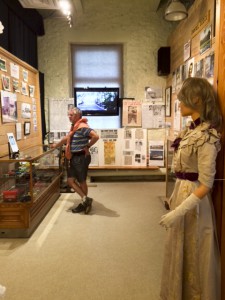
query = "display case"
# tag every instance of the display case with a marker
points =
(29, 186)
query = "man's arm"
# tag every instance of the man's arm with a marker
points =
(93, 138)
(60, 143)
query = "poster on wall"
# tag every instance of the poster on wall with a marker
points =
(58, 114)
(18, 131)
(153, 115)
(109, 147)
(156, 153)
(9, 107)
(187, 50)
(134, 145)
(131, 114)
(14, 70)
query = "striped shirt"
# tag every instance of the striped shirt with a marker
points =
(80, 139)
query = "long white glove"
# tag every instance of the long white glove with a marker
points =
(170, 218)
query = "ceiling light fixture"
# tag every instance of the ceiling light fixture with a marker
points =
(1, 27)
(66, 9)
(175, 11)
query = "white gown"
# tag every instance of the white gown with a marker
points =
(191, 268)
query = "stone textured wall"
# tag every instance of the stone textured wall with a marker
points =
(131, 23)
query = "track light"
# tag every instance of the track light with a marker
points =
(175, 11)
(1, 27)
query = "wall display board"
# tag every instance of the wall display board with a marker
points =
(17, 102)
(134, 144)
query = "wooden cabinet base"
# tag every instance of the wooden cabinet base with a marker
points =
(19, 220)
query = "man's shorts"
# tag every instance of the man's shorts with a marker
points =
(78, 167)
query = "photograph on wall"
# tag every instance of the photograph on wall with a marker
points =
(6, 82)
(153, 94)
(15, 85)
(209, 66)
(199, 68)
(190, 67)
(153, 115)
(156, 153)
(187, 50)
(183, 72)
(14, 70)
(25, 110)
(9, 107)
(24, 89)
(18, 131)
(26, 128)
(205, 39)
(173, 82)
(3, 64)
(177, 116)
(131, 114)
(168, 101)
(25, 75)
(178, 79)
(31, 90)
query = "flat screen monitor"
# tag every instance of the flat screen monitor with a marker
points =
(97, 101)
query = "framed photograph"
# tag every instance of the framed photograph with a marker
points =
(6, 82)
(205, 39)
(26, 128)
(31, 90)
(168, 101)
(9, 107)
(3, 64)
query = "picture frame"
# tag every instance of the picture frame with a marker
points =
(3, 64)
(168, 92)
(26, 128)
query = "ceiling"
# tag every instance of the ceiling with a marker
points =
(51, 9)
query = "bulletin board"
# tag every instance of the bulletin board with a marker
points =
(20, 111)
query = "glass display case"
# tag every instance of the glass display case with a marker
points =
(29, 186)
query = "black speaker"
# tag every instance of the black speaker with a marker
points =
(163, 67)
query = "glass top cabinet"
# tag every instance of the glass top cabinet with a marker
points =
(29, 186)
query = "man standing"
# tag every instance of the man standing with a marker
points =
(79, 140)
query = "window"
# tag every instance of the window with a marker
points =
(98, 66)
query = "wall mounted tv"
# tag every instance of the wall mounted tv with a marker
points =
(97, 101)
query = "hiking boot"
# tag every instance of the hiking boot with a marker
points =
(80, 208)
(87, 204)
